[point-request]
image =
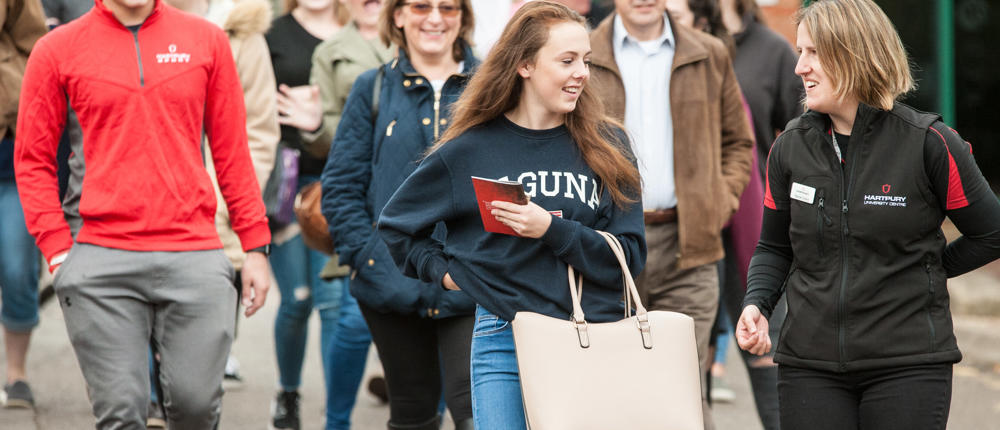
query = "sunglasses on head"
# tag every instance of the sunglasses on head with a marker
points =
(421, 8)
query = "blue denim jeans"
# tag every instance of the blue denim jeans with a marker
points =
(348, 354)
(18, 264)
(496, 383)
(296, 268)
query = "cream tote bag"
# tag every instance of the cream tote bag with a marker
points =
(637, 373)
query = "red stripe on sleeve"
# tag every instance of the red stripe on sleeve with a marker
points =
(768, 200)
(956, 192)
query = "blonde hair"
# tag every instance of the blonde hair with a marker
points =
(496, 88)
(390, 34)
(859, 49)
(340, 13)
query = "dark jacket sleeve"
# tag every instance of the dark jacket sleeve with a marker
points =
(347, 174)
(772, 259)
(408, 220)
(966, 198)
(587, 251)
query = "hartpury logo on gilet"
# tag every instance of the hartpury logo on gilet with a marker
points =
(885, 199)
(172, 56)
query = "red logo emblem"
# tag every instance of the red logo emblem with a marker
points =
(886, 188)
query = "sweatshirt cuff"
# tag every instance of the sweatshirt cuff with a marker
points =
(255, 236)
(436, 268)
(560, 234)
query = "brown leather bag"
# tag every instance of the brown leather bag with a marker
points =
(315, 231)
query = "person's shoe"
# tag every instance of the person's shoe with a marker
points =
(154, 417)
(231, 379)
(376, 386)
(721, 393)
(17, 395)
(285, 411)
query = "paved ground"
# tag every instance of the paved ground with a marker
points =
(62, 399)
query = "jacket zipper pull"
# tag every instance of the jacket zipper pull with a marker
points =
(388, 130)
(843, 209)
(822, 211)
(437, 113)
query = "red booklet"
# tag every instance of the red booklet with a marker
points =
(489, 190)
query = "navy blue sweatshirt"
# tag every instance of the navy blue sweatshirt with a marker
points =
(506, 274)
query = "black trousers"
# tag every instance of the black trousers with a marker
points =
(900, 398)
(415, 351)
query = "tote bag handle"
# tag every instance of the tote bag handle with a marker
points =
(631, 294)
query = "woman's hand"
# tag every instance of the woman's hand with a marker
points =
(752, 331)
(528, 220)
(448, 283)
(300, 107)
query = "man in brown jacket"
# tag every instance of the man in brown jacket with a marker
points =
(677, 93)
(23, 23)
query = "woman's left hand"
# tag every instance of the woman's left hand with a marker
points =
(300, 107)
(528, 220)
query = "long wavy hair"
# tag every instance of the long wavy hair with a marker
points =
(496, 88)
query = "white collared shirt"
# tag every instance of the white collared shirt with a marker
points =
(645, 70)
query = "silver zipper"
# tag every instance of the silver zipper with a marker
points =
(437, 112)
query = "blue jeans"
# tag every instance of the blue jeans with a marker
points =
(348, 354)
(154, 380)
(296, 268)
(496, 383)
(18, 264)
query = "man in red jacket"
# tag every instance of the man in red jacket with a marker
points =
(147, 264)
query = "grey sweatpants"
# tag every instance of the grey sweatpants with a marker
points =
(116, 303)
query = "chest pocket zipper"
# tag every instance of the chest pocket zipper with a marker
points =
(821, 219)
(377, 149)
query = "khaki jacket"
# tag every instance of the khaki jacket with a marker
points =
(23, 24)
(245, 25)
(336, 63)
(712, 136)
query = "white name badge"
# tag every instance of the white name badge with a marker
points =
(803, 193)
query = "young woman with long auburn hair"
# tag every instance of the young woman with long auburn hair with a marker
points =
(525, 116)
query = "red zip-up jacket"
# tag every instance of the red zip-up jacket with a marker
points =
(143, 100)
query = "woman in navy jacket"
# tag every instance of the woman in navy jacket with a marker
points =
(857, 190)
(525, 117)
(390, 119)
